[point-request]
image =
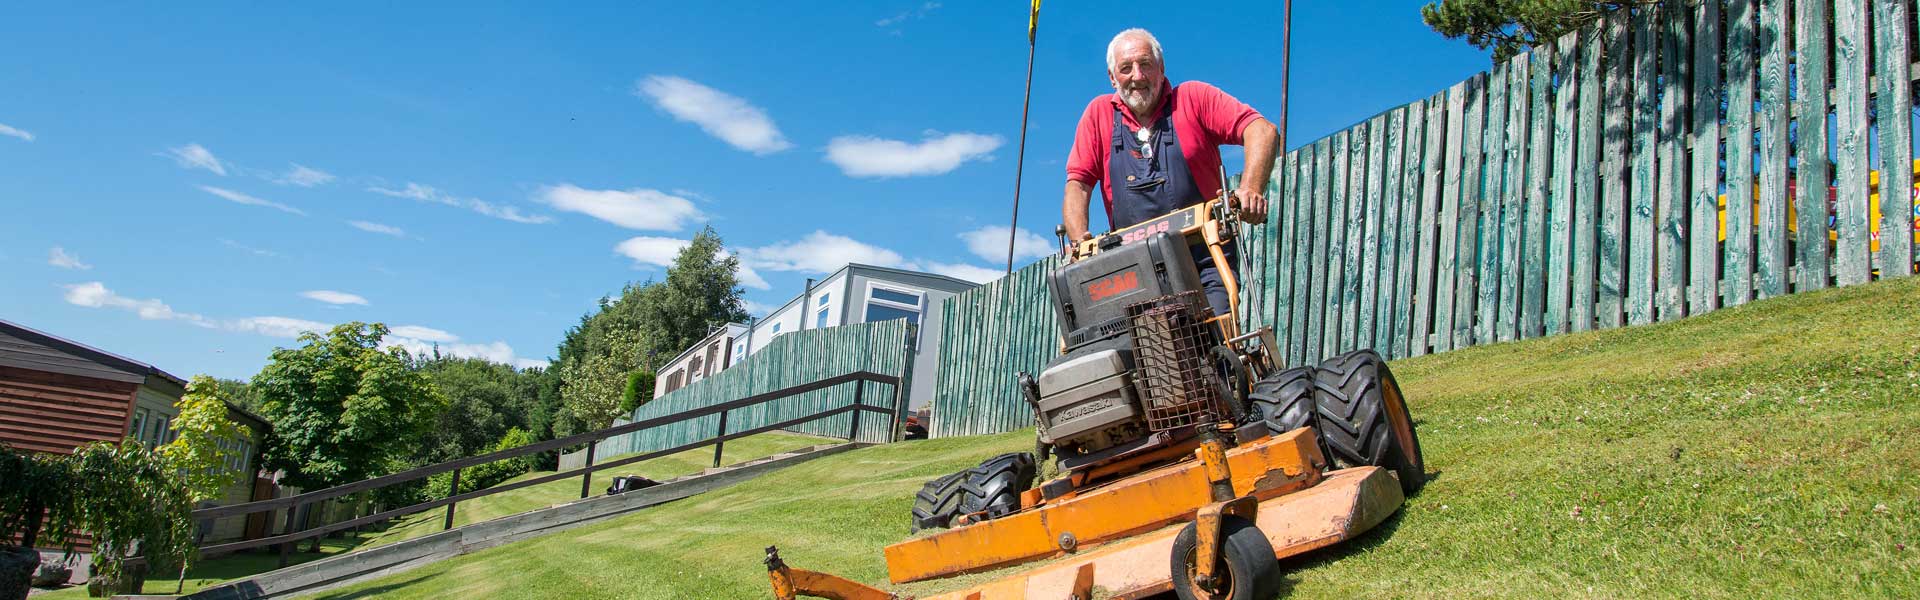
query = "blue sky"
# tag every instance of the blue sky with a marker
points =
(191, 185)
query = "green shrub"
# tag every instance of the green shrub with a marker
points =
(486, 475)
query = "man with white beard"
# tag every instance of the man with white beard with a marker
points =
(1127, 142)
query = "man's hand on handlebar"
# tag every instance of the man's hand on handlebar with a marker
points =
(1252, 205)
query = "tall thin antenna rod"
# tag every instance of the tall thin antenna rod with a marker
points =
(1020, 167)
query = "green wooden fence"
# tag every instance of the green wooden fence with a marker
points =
(1576, 187)
(788, 360)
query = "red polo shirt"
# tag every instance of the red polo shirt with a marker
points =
(1204, 117)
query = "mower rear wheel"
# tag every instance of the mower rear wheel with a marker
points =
(938, 502)
(1247, 569)
(1283, 400)
(994, 487)
(1363, 419)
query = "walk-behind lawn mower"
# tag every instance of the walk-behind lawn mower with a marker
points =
(1188, 460)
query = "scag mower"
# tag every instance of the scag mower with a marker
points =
(1188, 460)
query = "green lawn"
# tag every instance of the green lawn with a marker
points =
(217, 570)
(1767, 450)
(568, 490)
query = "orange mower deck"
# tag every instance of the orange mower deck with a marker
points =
(1119, 538)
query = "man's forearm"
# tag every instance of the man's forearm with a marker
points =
(1259, 139)
(1073, 209)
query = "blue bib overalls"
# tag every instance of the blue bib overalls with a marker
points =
(1152, 179)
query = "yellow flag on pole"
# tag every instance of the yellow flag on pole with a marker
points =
(1033, 21)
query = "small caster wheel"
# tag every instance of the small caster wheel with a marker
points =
(1247, 568)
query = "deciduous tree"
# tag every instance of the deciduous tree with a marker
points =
(341, 407)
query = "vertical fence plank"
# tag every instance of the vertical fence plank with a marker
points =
(1472, 148)
(1533, 286)
(1373, 213)
(1585, 185)
(1303, 266)
(1676, 77)
(1432, 197)
(1850, 262)
(1895, 107)
(1645, 174)
(1282, 216)
(1322, 243)
(1413, 223)
(1355, 237)
(1771, 219)
(1566, 101)
(1812, 66)
(1703, 292)
(1492, 232)
(1336, 240)
(1736, 222)
(1449, 221)
(1391, 181)
(1513, 196)
(1387, 312)
(1611, 243)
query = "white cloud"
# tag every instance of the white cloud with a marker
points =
(280, 327)
(722, 115)
(757, 309)
(819, 252)
(649, 251)
(94, 294)
(866, 156)
(195, 156)
(304, 176)
(248, 249)
(425, 193)
(9, 131)
(643, 209)
(905, 15)
(822, 252)
(423, 333)
(420, 340)
(372, 227)
(333, 297)
(58, 257)
(990, 243)
(961, 271)
(238, 197)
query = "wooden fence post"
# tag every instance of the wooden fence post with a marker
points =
(718, 447)
(859, 389)
(453, 490)
(586, 471)
(293, 516)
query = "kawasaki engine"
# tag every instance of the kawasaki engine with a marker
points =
(1112, 389)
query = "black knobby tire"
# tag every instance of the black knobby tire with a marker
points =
(1283, 400)
(994, 487)
(1363, 419)
(1247, 569)
(938, 502)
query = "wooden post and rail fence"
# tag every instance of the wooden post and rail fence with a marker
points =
(296, 504)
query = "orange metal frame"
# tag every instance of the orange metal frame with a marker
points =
(1266, 468)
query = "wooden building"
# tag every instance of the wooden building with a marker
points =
(57, 395)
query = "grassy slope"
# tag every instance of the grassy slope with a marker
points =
(1767, 448)
(209, 572)
(568, 490)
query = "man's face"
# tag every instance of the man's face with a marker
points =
(1136, 76)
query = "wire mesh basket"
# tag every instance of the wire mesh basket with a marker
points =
(1172, 342)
